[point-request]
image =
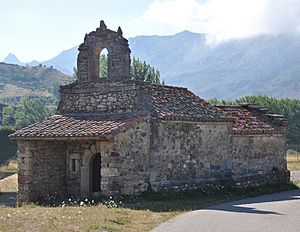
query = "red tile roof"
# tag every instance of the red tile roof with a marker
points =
(61, 126)
(246, 122)
(175, 103)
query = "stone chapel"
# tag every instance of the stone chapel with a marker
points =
(115, 135)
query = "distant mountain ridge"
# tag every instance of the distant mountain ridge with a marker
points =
(264, 65)
(64, 62)
(12, 59)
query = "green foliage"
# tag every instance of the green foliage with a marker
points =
(8, 116)
(21, 113)
(54, 90)
(75, 73)
(8, 148)
(144, 72)
(48, 101)
(290, 108)
(139, 70)
(103, 66)
(26, 112)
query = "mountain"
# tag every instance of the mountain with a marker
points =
(263, 65)
(17, 81)
(65, 61)
(12, 59)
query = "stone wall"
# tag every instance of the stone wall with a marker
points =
(102, 97)
(261, 157)
(124, 163)
(75, 150)
(42, 168)
(131, 161)
(78, 181)
(186, 155)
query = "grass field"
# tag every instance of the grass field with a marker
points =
(98, 218)
(293, 160)
(10, 167)
(293, 166)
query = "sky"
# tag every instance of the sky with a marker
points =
(41, 29)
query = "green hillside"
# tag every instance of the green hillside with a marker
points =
(40, 82)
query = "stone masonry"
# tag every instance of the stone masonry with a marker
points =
(115, 135)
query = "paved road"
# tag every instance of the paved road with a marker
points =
(270, 213)
(8, 199)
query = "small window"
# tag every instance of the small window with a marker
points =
(73, 165)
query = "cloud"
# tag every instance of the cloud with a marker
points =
(227, 19)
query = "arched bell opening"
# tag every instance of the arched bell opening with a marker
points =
(98, 63)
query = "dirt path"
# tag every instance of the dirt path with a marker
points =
(8, 189)
(295, 176)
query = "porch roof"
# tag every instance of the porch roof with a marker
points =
(68, 126)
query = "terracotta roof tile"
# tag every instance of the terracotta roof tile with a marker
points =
(245, 122)
(175, 103)
(62, 126)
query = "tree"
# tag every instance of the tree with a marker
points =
(103, 66)
(30, 111)
(54, 90)
(8, 116)
(144, 72)
(75, 74)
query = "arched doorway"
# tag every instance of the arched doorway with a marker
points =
(95, 174)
